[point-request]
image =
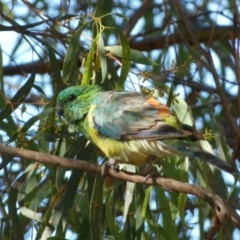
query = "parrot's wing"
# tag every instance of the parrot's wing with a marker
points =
(131, 115)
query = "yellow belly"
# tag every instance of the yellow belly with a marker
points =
(135, 152)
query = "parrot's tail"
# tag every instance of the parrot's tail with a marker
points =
(196, 151)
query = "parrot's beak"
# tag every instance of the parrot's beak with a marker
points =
(60, 111)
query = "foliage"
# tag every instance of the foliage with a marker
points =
(173, 50)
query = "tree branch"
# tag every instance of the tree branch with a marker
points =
(210, 65)
(146, 44)
(201, 35)
(146, 4)
(221, 209)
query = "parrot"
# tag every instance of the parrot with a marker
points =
(131, 127)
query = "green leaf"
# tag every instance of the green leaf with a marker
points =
(89, 64)
(183, 111)
(76, 148)
(55, 71)
(30, 123)
(5, 9)
(1, 70)
(17, 45)
(95, 209)
(167, 221)
(39, 89)
(170, 95)
(111, 223)
(66, 17)
(200, 203)
(42, 191)
(8, 126)
(182, 199)
(57, 238)
(205, 145)
(159, 231)
(183, 168)
(19, 97)
(71, 58)
(5, 161)
(16, 231)
(44, 230)
(24, 181)
(129, 192)
(136, 56)
(174, 206)
(146, 201)
(30, 214)
(103, 60)
(82, 224)
(126, 59)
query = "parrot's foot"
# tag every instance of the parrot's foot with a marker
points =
(148, 167)
(149, 170)
(153, 173)
(109, 164)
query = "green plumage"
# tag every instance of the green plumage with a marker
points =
(130, 127)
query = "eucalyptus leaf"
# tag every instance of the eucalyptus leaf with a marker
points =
(18, 98)
(126, 59)
(183, 111)
(103, 60)
(129, 193)
(136, 56)
(31, 214)
(89, 64)
(71, 58)
(13, 214)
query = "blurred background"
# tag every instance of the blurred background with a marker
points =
(185, 48)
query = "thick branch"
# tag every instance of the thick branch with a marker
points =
(201, 35)
(146, 4)
(220, 208)
(40, 67)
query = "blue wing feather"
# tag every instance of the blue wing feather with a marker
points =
(127, 115)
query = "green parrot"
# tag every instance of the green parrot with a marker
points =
(131, 127)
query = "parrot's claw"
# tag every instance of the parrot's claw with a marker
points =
(152, 174)
(147, 170)
(109, 164)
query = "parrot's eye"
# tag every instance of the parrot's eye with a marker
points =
(72, 97)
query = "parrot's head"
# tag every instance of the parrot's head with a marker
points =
(73, 103)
